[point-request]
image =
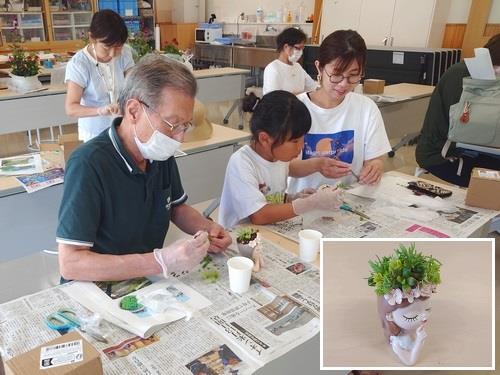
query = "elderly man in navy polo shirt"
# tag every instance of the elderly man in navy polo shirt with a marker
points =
(123, 188)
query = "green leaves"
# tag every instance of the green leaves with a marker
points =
(22, 64)
(406, 269)
(245, 234)
(140, 42)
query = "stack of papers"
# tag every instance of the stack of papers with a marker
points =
(480, 66)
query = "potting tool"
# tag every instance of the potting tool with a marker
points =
(346, 207)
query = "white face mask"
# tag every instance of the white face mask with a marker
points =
(159, 146)
(296, 55)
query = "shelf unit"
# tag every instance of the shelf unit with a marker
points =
(30, 26)
(68, 25)
(58, 24)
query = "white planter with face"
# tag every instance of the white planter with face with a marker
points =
(404, 326)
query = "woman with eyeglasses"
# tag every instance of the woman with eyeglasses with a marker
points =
(96, 73)
(347, 140)
(285, 73)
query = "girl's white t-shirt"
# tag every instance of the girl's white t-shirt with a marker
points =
(250, 183)
(292, 78)
(352, 132)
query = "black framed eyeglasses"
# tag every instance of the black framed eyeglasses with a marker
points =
(337, 78)
(175, 129)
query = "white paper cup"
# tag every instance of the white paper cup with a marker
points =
(309, 241)
(240, 272)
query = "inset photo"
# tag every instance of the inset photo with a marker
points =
(399, 304)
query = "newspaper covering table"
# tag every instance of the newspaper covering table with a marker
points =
(236, 334)
(393, 212)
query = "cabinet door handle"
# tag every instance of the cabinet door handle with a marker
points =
(384, 41)
(392, 40)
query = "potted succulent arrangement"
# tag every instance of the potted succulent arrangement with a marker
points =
(404, 283)
(24, 70)
(246, 239)
(250, 246)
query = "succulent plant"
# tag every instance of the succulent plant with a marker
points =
(405, 270)
(246, 234)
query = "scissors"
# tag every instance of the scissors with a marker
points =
(347, 207)
(65, 320)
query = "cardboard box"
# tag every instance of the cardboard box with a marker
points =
(373, 86)
(484, 189)
(67, 143)
(29, 362)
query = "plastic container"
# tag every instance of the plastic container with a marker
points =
(260, 15)
(128, 8)
(109, 4)
(300, 13)
(133, 25)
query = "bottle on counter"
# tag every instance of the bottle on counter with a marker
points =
(279, 15)
(260, 14)
(289, 16)
(285, 12)
(300, 13)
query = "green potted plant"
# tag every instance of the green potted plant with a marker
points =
(247, 239)
(139, 42)
(404, 283)
(172, 51)
(24, 70)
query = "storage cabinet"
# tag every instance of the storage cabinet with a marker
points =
(68, 25)
(339, 15)
(188, 11)
(399, 23)
(27, 25)
(183, 33)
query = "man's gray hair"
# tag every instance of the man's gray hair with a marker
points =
(152, 74)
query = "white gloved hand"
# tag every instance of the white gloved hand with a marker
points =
(304, 193)
(108, 110)
(325, 198)
(182, 255)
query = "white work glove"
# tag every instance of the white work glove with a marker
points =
(326, 198)
(182, 255)
(108, 110)
(304, 193)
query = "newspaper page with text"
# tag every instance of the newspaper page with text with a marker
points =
(236, 334)
(391, 211)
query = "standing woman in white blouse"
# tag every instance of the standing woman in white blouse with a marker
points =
(96, 73)
(285, 73)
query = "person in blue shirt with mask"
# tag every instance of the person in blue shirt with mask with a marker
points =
(96, 73)
(123, 187)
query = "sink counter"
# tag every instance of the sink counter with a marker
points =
(236, 55)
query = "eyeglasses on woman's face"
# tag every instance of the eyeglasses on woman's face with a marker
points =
(337, 78)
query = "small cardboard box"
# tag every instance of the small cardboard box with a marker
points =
(373, 86)
(29, 362)
(67, 143)
(484, 189)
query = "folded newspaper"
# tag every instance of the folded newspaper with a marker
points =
(158, 303)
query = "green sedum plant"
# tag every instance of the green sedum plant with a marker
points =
(246, 234)
(405, 269)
